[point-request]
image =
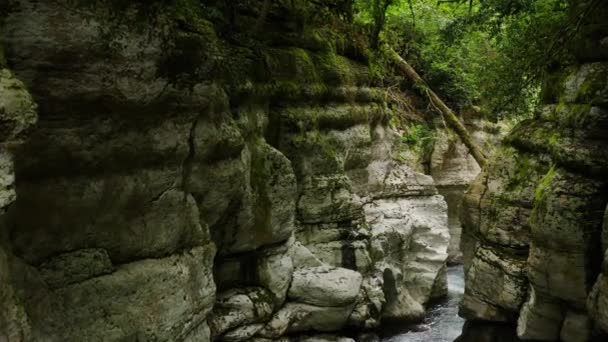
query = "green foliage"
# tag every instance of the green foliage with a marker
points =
(540, 195)
(415, 146)
(492, 54)
(417, 134)
(527, 45)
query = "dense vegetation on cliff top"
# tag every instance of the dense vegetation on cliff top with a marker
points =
(490, 54)
(487, 54)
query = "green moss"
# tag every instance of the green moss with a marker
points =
(331, 117)
(349, 116)
(334, 69)
(237, 66)
(416, 134)
(291, 64)
(318, 92)
(379, 67)
(578, 115)
(553, 86)
(593, 90)
(143, 10)
(190, 10)
(523, 170)
(553, 140)
(416, 144)
(318, 39)
(325, 152)
(540, 195)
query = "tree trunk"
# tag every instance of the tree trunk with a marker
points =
(379, 13)
(448, 115)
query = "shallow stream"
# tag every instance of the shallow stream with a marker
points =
(442, 323)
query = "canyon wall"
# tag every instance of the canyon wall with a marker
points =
(453, 169)
(534, 224)
(203, 172)
(18, 113)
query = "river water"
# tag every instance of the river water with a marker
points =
(442, 323)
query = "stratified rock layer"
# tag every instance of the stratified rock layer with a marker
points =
(533, 218)
(192, 180)
(18, 112)
(453, 169)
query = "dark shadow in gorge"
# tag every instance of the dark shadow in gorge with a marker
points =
(477, 331)
(487, 332)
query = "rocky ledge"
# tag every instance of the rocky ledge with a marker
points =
(534, 223)
(183, 184)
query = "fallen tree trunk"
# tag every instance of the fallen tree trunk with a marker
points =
(448, 115)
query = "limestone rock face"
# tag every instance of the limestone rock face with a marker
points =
(18, 112)
(409, 245)
(325, 286)
(183, 282)
(409, 238)
(75, 267)
(369, 304)
(533, 218)
(597, 303)
(275, 272)
(453, 168)
(239, 307)
(297, 317)
(182, 183)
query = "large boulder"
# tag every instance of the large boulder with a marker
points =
(299, 317)
(409, 247)
(325, 286)
(129, 296)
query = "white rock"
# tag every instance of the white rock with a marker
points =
(303, 257)
(369, 305)
(274, 273)
(238, 307)
(297, 317)
(325, 286)
(409, 244)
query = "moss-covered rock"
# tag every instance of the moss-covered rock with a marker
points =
(538, 208)
(178, 142)
(18, 111)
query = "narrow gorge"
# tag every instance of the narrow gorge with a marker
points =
(252, 170)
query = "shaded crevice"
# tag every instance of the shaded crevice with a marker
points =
(187, 163)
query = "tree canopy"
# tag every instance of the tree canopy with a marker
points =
(486, 53)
